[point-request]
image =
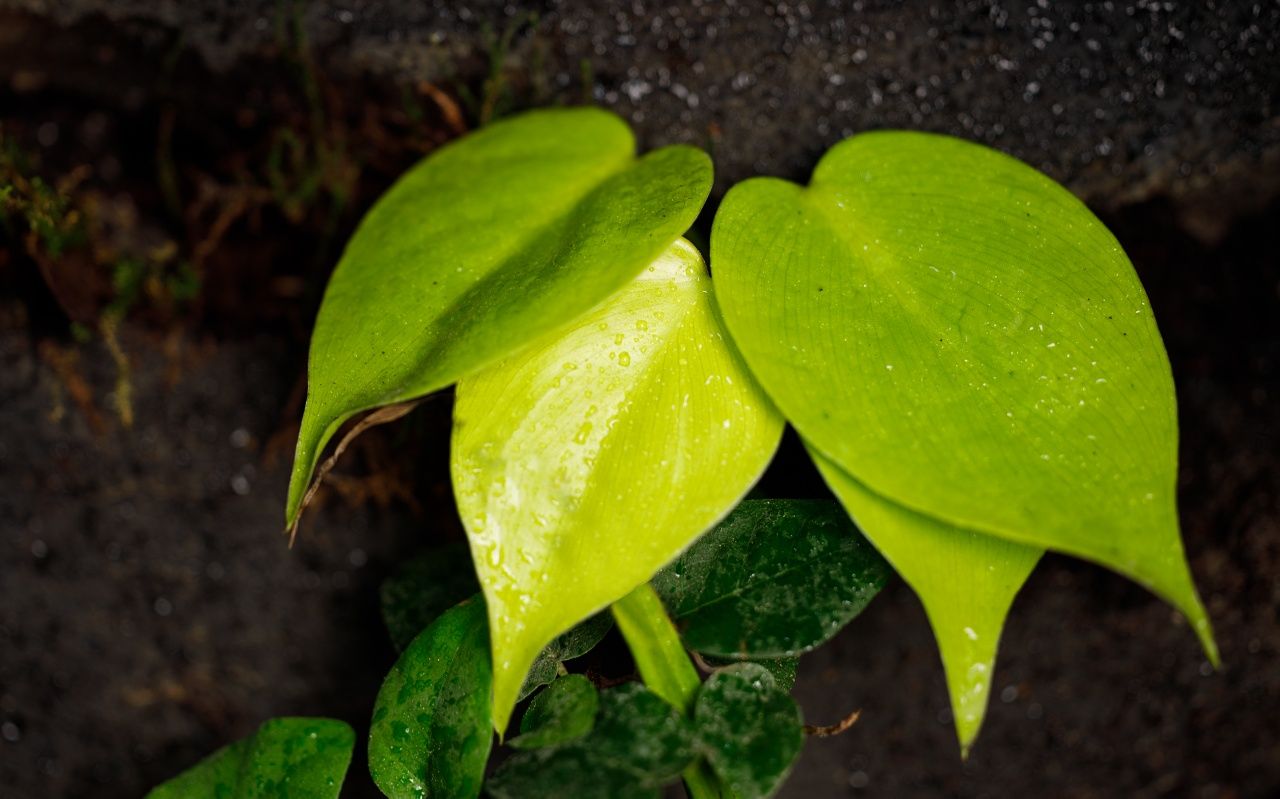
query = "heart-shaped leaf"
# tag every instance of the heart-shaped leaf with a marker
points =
(565, 712)
(748, 728)
(491, 241)
(287, 758)
(964, 340)
(425, 587)
(587, 462)
(776, 577)
(430, 734)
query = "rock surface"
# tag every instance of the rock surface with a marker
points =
(1120, 99)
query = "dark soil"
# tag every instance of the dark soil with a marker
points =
(150, 609)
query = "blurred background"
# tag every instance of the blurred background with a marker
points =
(176, 183)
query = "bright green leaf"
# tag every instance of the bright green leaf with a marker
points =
(965, 580)
(639, 744)
(423, 588)
(748, 728)
(287, 758)
(584, 464)
(966, 342)
(430, 734)
(512, 231)
(578, 641)
(775, 578)
(564, 712)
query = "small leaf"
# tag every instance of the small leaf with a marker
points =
(287, 758)
(584, 464)
(748, 728)
(774, 579)
(580, 640)
(784, 670)
(489, 242)
(425, 587)
(956, 336)
(430, 734)
(565, 712)
(639, 744)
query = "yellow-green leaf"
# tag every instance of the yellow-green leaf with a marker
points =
(963, 339)
(586, 462)
(965, 580)
(488, 243)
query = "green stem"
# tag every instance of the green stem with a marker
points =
(665, 668)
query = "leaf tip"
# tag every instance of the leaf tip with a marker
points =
(1204, 631)
(970, 710)
(511, 663)
(1179, 590)
(311, 438)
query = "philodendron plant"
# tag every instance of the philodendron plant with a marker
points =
(963, 348)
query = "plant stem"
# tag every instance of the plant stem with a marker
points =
(665, 667)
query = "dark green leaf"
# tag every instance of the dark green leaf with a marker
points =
(564, 712)
(776, 578)
(431, 733)
(574, 644)
(287, 758)
(215, 777)
(783, 669)
(639, 744)
(748, 728)
(426, 586)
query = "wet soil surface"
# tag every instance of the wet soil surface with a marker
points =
(1120, 98)
(150, 609)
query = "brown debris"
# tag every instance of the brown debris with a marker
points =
(830, 730)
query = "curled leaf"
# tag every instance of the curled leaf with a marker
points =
(489, 242)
